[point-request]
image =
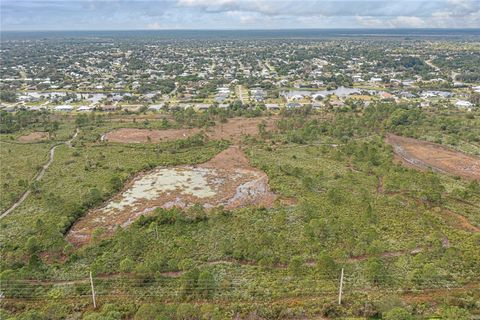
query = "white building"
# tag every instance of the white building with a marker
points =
(63, 108)
(463, 104)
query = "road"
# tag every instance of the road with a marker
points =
(430, 63)
(453, 74)
(39, 175)
(240, 94)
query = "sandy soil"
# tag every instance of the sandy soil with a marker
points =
(235, 129)
(226, 180)
(34, 137)
(132, 135)
(425, 155)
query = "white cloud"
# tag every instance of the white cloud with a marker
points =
(369, 22)
(366, 13)
(244, 18)
(229, 14)
(408, 22)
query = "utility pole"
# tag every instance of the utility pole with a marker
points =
(93, 291)
(341, 289)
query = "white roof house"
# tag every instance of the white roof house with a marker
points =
(463, 104)
(201, 106)
(84, 109)
(64, 108)
(272, 106)
(156, 107)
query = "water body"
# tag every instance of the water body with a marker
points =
(240, 34)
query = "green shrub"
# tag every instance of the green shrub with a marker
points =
(398, 313)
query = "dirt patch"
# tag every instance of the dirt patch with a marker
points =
(34, 137)
(237, 128)
(425, 155)
(132, 135)
(234, 130)
(227, 180)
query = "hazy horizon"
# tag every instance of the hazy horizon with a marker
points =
(110, 15)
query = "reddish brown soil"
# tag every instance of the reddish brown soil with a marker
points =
(33, 137)
(235, 130)
(132, 135)
(235, 182)
(426, 155)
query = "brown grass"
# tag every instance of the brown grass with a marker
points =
(34, 137)
(234, 130)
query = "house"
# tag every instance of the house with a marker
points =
(201, 106)
(318, 105)
(407, 95)
(108, 108)
(84, 109)
(221, 98)
(386, 95)
(63, 108)
(292, 105)
(37, 108)
(463, 104)
(318, 96)
(336, 103)
(296, 97)
(257, 94)
(156, 107)
(424, 104)
(272, 106)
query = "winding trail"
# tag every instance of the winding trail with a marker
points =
(38, 176)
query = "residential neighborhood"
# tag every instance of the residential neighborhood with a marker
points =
(275, 74)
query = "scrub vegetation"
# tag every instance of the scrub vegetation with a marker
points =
(407, 239)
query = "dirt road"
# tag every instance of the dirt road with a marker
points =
(39, 175)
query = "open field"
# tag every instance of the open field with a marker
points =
(235, 130)
(227, 180)
(425, 155)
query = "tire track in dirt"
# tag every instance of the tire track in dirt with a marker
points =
(425, 155)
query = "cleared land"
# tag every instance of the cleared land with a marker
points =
(226, 180)
(133, 135)
(235, 129)
(426, 155)
(34, 137)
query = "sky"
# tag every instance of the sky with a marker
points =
(236, 14)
